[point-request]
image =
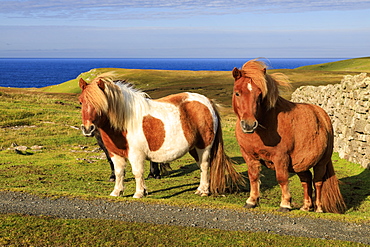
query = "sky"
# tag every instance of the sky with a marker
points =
(184, 28)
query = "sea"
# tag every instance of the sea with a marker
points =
(43, 72)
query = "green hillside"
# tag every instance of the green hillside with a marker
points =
(159, 83)
(351, 65)
(216, 84)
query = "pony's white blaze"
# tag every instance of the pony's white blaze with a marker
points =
(249, 86)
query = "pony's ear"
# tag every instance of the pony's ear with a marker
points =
(101, 84)
(237, 74)
(82, 83)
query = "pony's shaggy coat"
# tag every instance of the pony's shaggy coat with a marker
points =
(137, 128)
(286, 137)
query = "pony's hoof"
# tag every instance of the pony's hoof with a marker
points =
(306, 209)
(201, 193)
(112, 180)
(138, 195)
(115, 193)
(284, 210)
(154, 176)
(248, 205)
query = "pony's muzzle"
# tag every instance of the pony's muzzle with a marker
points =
(88, 132)
(248, 127)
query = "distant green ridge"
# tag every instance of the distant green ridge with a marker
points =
(351, 65)
(163, 82)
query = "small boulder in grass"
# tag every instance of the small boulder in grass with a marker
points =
(21, 148)
(36, 147)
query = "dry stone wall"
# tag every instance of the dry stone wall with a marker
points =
(348, 105)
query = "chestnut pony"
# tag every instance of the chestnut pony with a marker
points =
(137, 128)
(286, 137)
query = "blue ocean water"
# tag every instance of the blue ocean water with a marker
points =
(42, 72)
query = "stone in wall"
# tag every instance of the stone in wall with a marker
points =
(347, 104)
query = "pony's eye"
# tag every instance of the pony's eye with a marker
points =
(237, 94)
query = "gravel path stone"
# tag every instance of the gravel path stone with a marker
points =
(16, 202)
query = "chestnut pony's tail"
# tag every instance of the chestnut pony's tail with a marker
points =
(331, 198)
(223, 176)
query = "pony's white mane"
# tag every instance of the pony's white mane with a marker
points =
(126, 105)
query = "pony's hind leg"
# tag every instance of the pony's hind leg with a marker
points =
(306, 181)
(202, 159)
(319, 172)
(138, 171)
(119, 170)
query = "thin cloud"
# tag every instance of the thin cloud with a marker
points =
(133, 9)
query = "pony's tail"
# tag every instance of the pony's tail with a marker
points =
(331, 198)
(223, 176)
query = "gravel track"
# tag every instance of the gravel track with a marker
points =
(16, 202)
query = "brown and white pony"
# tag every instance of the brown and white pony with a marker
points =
(137, 128)
(286, 137)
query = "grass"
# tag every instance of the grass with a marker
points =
(41, 231)
(350, 65)
(70, 165)
(214, 84)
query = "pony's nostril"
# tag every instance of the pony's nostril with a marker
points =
(248, 127)
(255, 125)
(88, 132)
(92, 128)
(242, 123)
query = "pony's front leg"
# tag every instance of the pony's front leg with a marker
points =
(119, 170)
(254, 167)
(282, 176)
(138, 171)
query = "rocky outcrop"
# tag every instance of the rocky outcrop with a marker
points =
(348, 105)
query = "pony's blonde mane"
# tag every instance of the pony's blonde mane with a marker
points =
(120, 102)
(256, 70)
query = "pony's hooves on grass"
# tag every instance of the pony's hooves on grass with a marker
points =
(112, 180)
(198, 192)
(284, 210)
(138, 196)
(115, 194)
(248, 205)
(306, 209)
(152, 176)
